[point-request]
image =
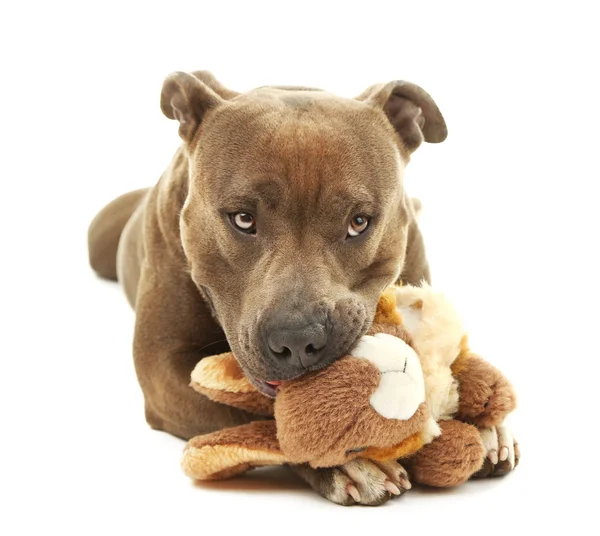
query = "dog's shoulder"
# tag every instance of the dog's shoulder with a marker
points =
(162, 211)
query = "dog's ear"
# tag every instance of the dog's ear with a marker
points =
(186, 98)
(208, 78)
(410, 110)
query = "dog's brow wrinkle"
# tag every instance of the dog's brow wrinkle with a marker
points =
(250, 195)
(269, 191)
(352, 199)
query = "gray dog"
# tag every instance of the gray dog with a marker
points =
(273, 231)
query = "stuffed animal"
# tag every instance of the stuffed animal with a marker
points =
(409, 390)
(369, 404)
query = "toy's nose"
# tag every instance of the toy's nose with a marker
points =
(299, 345)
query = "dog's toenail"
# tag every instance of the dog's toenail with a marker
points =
(405, 483)
(391, 487)
(353, 492)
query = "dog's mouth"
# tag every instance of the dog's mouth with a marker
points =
(271, 388)
(268, 388)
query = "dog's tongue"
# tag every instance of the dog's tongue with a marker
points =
(274, 384)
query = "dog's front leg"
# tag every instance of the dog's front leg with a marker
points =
(502, 451)
(359, 481)
(173, 327)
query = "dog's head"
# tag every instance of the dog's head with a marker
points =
(296, 217)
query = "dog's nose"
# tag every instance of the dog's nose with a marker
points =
(302, 346)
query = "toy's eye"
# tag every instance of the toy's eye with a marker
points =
(358, 225)
(353, 451)
(244, 222)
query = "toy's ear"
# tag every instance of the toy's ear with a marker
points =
(388, 318)
(386, 308)
(232, 451)
(220, 378)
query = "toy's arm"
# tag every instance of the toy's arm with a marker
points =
(485, 396)
(220, 378)
(232, 451)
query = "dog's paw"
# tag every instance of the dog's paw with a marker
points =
(502, 451)
(360, 481)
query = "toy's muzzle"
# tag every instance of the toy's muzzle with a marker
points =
(402, 388)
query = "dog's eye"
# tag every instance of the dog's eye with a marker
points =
(351, 451)
(358, 225)
(243, 221)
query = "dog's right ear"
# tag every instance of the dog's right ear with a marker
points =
(186, 98)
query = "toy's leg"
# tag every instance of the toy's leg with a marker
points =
(449, 459)
(232, 451)
(502, 451)
(360, 481)
(486, 396)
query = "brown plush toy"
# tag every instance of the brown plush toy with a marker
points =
(368, 404)
(382, 402)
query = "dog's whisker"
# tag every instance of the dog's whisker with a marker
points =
(211, 344)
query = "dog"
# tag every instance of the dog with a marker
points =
(275, 228)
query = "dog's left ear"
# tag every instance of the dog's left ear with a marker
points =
(187, 99)
(410, 110)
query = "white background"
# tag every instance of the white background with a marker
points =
(511, 226)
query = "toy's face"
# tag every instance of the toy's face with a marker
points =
(369, 404)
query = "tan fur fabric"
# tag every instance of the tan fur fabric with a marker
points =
(221, 379)
(436, 331)
(449, 460)
(231, 451)
(486, 396)
(221, 372)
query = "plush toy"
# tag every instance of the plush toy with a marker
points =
(369, 404)
(410, 390)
